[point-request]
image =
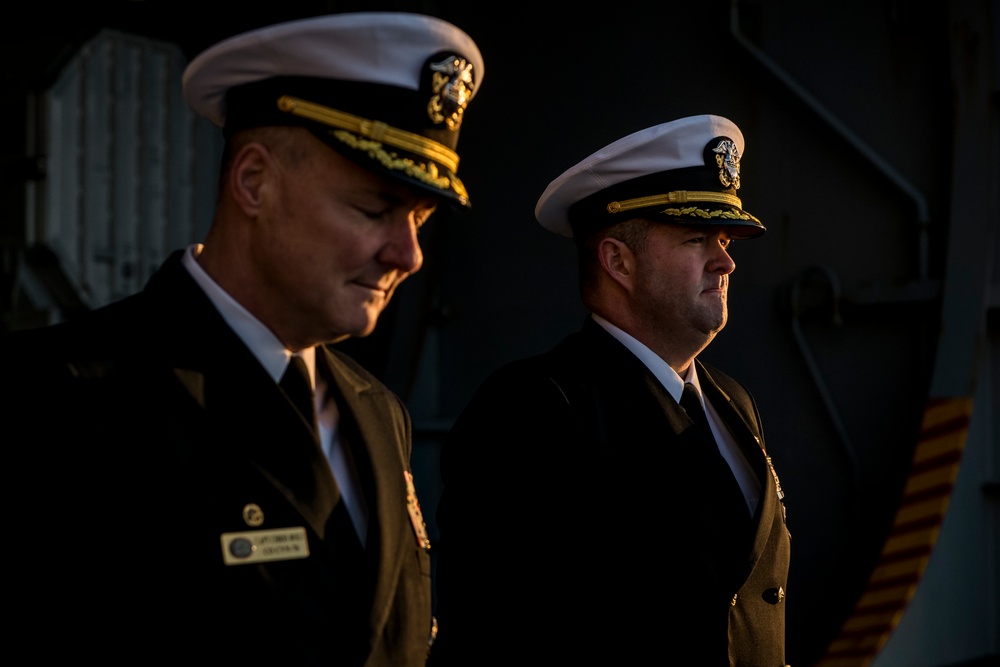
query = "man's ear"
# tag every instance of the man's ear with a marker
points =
(248, 173)
(617, 261)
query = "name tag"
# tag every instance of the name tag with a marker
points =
(258, 546)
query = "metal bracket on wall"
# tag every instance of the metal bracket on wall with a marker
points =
(831, 284)
(876, 160)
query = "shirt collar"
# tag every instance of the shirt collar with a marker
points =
(264, 345)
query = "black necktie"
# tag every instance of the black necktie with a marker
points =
(722, 493)
(692, 405)
(339, 529)
(296, 385)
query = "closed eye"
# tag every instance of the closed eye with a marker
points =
(373, 213)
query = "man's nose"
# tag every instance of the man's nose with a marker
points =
(722, 262)
(402, 249)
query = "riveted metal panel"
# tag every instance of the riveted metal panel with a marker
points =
(131, 168)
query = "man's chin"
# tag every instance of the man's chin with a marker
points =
(715, 327)
(360, 331)
(369, 328)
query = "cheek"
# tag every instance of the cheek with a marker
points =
(350, 250)
(669, 274)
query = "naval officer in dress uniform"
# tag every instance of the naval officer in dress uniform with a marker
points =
(611, 501)
(194, 475)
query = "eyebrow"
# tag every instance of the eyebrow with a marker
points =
(402, 196)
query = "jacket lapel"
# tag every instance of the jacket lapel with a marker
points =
(624, 382)
(248, 414)
(745, 432)
(368, 408)
(628, 382)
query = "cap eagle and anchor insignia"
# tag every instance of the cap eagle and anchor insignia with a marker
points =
(727, 158)
(452, 86)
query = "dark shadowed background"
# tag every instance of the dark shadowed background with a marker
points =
(871, 156)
